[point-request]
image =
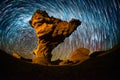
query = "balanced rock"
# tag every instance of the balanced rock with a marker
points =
(50, 32)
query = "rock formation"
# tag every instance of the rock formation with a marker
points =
(16, 55)
(50, 32)
(78, 56)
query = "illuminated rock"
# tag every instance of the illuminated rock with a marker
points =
(78, 56)
(51, 32)
(16, 55)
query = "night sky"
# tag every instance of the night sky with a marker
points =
(100, 28)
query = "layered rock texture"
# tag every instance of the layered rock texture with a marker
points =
(50, 32)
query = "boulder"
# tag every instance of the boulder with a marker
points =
(77, 56)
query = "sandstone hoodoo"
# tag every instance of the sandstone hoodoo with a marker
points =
(50, 32)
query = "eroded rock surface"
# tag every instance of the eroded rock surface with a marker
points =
(77, 56)
(50, 32)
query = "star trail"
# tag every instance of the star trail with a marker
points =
(99, 30)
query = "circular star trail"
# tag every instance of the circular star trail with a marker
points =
(99, 29)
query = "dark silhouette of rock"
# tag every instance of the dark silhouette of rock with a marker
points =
(77, 56)
(56, 62)
(50, 32)
(66, 62)
(97, 53)
(105, 67)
